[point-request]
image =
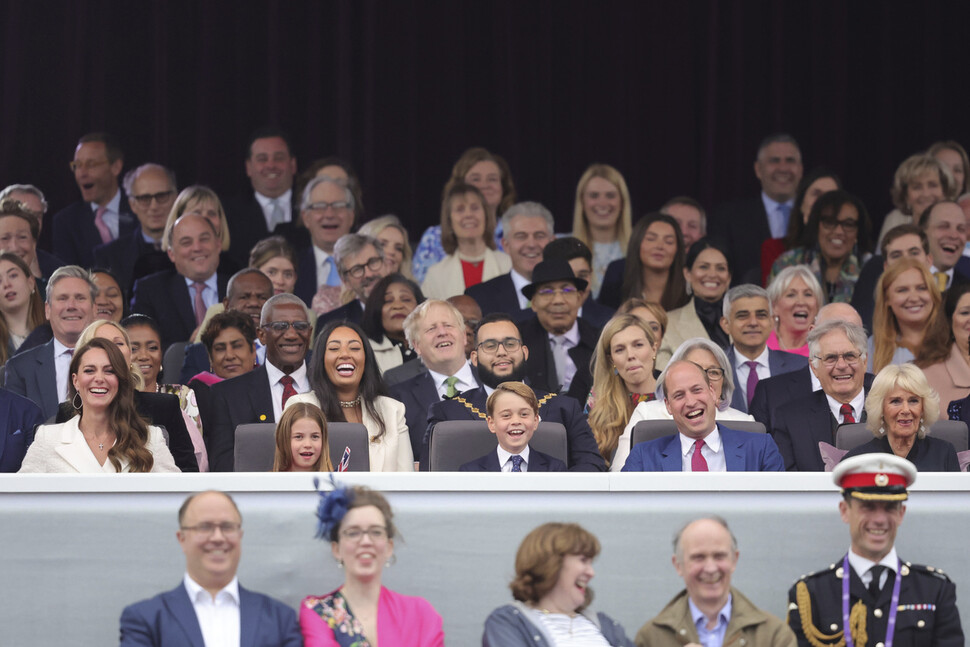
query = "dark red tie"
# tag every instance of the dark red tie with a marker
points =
(846, 411)
(697, 462)
(288, 390)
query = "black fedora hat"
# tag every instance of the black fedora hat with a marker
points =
(554, 269)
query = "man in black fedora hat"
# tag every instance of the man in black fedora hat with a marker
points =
(560, 344)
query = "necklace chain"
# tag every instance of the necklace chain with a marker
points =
(350, 405)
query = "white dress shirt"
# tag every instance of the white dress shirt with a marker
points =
(300, 383)
(861, 566)
(466, 380)
(520, 282)
(949, 275)
(742, 370)
(858, 403)
(267, 205)
(111, 215)
(712, 451)
(505, 459)
(62, 368)
(219, 617)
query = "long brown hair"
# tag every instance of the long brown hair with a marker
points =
(449, 241)
(675, 292)
(939, 337)
(130, 428)
(284, 432)
(885, 327)
(35, 307)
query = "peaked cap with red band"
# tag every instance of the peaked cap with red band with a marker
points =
(881, 477)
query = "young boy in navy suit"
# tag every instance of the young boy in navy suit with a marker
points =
(513, 416)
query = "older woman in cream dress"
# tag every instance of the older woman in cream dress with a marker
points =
(709, 357)
(347, 386)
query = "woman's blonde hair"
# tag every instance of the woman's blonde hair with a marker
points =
(913, 167)
(624, 224)
(374, 227)
(190, 195)
(885, 327)
(909, 378)
(283, 461)
(612, 407)
(137, 379)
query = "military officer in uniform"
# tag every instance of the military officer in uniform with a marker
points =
(871, 597)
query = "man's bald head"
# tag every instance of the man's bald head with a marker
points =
(838, 311)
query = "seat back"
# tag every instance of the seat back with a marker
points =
(652, 429)
(953, 431)
(255, 446)
(850, 436)
(172, 362)
(455, 442)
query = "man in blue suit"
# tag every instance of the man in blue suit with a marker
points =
(209, 606)
(701, 445)
(747, 320)
(18, 419)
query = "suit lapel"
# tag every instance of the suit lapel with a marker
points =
(261, 395)
(539, 462)
(490, 462)
(46, 376)
(739, 398)
(671, 457)
(74, 449)
(733, 451)
(180, 607)
(180, 297)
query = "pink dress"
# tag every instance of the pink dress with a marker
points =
(402, 621)
(774, 345)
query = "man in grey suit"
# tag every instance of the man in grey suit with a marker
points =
(209, 606)
(747, 320)
(41, 373)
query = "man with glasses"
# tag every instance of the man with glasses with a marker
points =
(103, 214)
(837, 357)
(560, 343)
(500, 356)
(360, 260)
(261, 394)
(209, 607)
(328, 214)
(151, 191)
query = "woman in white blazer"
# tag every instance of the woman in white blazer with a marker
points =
(346, 384)
(467, 235)
(715, 363)
(107, 435)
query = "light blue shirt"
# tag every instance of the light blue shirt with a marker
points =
(777, 221)
(210, 293)
(711, 637)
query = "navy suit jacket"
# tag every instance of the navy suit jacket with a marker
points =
(169, 620)
(498, 295)
(306, 276)
(19, 418)
(777, 391)
(538, 462)
(596, 313)
(611, 289)
(240, 400)
(164, 297)
(418, 394)
(75, 235)
(351, 311)
(541, 368)
(247, 226)
(32, 374)
(121, 255)
(47, 263)
(583, 454)
(744, 451)
(742, 226)
(779, 363)
(800, 425)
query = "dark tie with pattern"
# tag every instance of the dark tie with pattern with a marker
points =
(846, 411)
(516, 463)
(288, 390)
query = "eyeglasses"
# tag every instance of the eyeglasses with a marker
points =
(548, 293)
(848, 226)
(851, 358)
(281, 327)
(87, 165)
(323, 206)
(510, 344)
(145, 199)
(374, 263)
(229, 529)
(376, 534)
(715, 374)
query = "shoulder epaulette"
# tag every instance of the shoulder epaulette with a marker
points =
(929, 570)
(824, 571)
(471, 407)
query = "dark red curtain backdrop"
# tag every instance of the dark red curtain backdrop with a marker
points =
(676, 94)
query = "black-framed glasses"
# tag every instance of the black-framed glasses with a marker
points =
(145, 199)
(851, 358)
(374, 263)
(715, 374)
(323, 206)
(848, 226)
(280, 327)
(510, 344)
(376, 533)
(227, 528)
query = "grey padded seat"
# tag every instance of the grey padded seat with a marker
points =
(652, 429)
(850, 436)
(255, 446)
(455, 442)
(172, 362)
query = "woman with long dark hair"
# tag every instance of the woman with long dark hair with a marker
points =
(347, 386)
(391, 300)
